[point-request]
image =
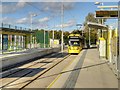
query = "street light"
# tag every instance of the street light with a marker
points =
(89, 38)
(80, 27)
(53, 34)
(31, 16)
(45, 34)
(100, 3)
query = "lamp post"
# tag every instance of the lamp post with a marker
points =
(53, 36)
(44, 38)
(80, 27)
(89, 38)
(31, 16)
(102, 22)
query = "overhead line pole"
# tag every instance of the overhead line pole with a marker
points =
(31, 33)
(53, 39)
(62, 20)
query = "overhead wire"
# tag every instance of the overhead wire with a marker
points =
(40, 10)
(70, 14)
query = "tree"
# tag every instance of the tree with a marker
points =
(66, 34)
(90, 18)
(76, 32)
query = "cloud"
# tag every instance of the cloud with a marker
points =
(41, 26)
(12, 6)
(52, 7)
(68, 24)
(45, 19)
(41, 23)
(23, 20)
(55, 7)
(8, 20)
(15, 21)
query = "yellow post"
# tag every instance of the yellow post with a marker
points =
(109, 44)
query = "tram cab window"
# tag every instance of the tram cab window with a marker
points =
(74, 43)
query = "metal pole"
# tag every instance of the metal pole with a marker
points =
(62, 20)
(15, 43)
(85, 42)
(31, 33)
(116, 57)
(1, 43)
(44, 38)
(48, 38)
(102, 19)
(102, 23)
(53, 34)
(53, 39)
(82, 33)
(89, 37)
(118, 62)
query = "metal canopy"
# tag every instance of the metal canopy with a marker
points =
(96, 25)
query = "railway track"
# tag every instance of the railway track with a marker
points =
(35, 62)
(56, 58)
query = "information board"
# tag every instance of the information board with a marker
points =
(107, 14)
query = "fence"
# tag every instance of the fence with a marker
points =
(2, 25)
(42, 38)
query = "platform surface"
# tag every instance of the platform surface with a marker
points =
(86, 71)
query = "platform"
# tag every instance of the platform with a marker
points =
(86, 71)
(11, 59)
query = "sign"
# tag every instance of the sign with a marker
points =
(74, 40)
(74, 37)
(107, 14)
(5, 42)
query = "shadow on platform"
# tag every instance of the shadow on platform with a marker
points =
(23, 72)
(59, 55)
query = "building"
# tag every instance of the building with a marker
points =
(14, 38)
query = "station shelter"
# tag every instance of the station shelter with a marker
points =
(108, 44)
(14, 38)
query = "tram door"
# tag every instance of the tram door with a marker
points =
(4, 42)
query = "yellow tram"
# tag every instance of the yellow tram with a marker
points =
(75, 43)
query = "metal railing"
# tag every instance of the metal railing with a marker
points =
(2, 25)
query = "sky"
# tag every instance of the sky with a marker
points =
(47, 15)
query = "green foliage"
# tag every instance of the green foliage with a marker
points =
(93, 32)
(57, 35)
(90, 18)
(66, 34)
(77, 32)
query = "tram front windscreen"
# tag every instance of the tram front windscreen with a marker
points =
(74, 42)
